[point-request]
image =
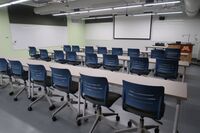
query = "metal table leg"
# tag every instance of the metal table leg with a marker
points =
(177, 113)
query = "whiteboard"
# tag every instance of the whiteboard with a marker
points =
(24, 35)
(132, 27)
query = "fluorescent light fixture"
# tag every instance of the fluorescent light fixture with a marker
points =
(101, 10)
(80, 12)
(144, 14)
(13, 3)
(127, 7)
(60, 14)
(165, 13)
(162, 3)
(102, 17)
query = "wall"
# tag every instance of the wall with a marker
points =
(174, 28)
(76, 32)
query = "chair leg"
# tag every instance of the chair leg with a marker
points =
(108, 122)
(19, 92)
(48, 99)
(38, 99)
(60, 108)
(147, 127)
(127, 130)
(95, 124)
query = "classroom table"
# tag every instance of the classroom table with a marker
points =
(176, 90)
(126, 58)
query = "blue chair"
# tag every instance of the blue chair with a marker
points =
(59, 56)
(157, 53)
(33, 53)
(38, 76)
(17, 72)
(166, 68)
(62, 80)
(67, 48)
(133, 52)
(111, 62)
(44, 55)
(96, 91)
(139, 65)
(91, 60)
(89, 49)
(72, 59)
(75, 48)
(117, 51)
(102, 50)
(144, 101)
(172, 53)
(4, 71)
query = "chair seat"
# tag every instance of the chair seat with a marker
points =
(24, 76)
(62, 61)
(98, 65)
(140, 72)
(35, 56)
(74, 62)
(47, 59)
(112, 97)
(142, 113)
(47, 83)
(112, 68)
(167, 76)
(73, 89)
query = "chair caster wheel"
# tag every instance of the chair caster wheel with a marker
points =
(94, 105)
(78, 116)
(11, 93)
(62, 99)
(156, 130)
(15, 99)
(39, 89)
(52, 107)
(30, 109)
(86, 120)
(33, 99)
(54, 118)
(78, 122)
(129, 124)
(117, 118)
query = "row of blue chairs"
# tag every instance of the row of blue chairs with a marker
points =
(142, 100)
(170, 53)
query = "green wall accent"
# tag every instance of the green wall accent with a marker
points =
(75, 35)
(75, 32)
(6, 48)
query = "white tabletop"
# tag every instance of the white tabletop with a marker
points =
(172, 88)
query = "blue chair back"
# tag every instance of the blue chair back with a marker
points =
(61, 78)
(172, 53)
(133, 52)
(71, 56)
(157, 53)
(67, 48)
(16, 67)
(3, 65)
(110, 60)
(37, 72)
(58, 55)
(139, 65)
(75, 48)
(89, 49)
(144, 98)
(167, 68)
(44, 54)
(102, 50)
(32, 51)
(91, 58)
(117, 51)
(94, 87)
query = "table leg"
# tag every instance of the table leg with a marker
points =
(79, 98)
(128, 66)
(184, 72)
(123, 65)
(177, 113)
(29, 86)
(1, 79)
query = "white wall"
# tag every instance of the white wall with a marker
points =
(174, 28)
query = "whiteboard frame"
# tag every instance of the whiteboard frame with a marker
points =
(149, 38)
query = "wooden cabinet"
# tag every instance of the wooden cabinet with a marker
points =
(186, 50)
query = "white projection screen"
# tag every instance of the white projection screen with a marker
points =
(132, 27)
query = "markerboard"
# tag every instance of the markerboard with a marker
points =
(24, 35)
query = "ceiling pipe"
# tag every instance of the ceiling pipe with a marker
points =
(192, 7)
